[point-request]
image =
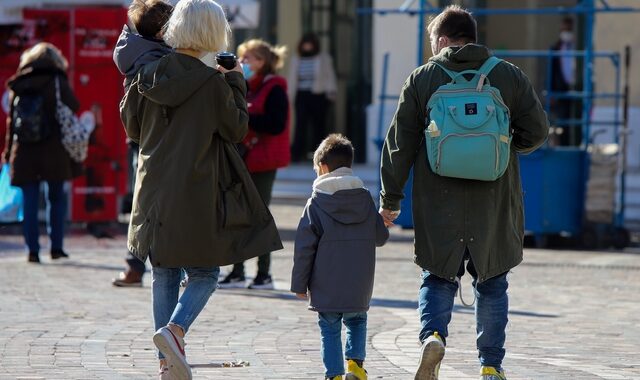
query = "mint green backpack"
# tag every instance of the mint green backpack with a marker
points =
(468, 136)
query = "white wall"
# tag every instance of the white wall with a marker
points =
(396, 34)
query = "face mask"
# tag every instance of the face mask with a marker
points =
(246, 70)
(566, 36)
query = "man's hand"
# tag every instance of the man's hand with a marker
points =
(302, 296)
(388, 216)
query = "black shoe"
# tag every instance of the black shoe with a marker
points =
(34, 257)
(262, 281)
(232, 280)
(58, 254)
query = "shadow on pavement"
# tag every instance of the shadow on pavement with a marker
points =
(91, 266)
(375, 302)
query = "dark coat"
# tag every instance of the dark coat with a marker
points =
(451, 214)
(335, 247)
(46, 160)
(194, 202)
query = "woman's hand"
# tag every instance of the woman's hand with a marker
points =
(302, 296)
(237, 68)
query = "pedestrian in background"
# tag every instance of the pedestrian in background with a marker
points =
(33, 143)
(194, 207)
(335, 256)
(135, 49)
(455, 219)
(312, 82)
(266, 146)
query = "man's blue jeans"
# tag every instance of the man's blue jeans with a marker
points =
(56, 211)
(167, 308)
(436, 304)
(331, 332)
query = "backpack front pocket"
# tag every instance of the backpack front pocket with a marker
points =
(471, 156)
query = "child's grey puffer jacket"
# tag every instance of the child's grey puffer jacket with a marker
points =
(335, 246)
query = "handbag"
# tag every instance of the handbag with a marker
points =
(75, 135)
(11, 209)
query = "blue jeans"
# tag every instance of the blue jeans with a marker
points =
(167, 308)
(436, 304)
(56, 212)
(331, 331)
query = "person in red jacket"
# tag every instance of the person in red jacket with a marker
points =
(266, 147)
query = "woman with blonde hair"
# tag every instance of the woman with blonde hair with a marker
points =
(266, 147)
(33, 143)
(194, 205)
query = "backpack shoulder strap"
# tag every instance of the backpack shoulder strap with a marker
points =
(451, 73)
(488, 65)
(485, 69)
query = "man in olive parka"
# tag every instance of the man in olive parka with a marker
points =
(458, 219)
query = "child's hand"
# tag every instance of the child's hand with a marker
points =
(388, 216)
(302, 296)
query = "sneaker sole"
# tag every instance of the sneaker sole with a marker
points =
(432, 355)
(178, 366)
(233, 285)
(119, 284)
(262, 287)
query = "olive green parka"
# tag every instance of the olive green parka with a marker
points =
(451, 215)
(194, 202)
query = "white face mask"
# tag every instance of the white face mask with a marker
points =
(566, 36)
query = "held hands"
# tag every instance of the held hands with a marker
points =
(237, 68)
(388, 216)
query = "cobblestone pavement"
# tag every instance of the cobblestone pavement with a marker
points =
(574, 315)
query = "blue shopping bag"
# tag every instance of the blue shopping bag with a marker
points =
(10, 198)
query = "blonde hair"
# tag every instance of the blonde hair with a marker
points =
(44, 51)
(199, 25)
(273, 56)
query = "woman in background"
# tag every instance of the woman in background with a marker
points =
(266, 147)
(33, 143)
(312, 82)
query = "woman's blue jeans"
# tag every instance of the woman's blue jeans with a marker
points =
(331, 331)
(56, 212)
(435, 305)
(182, 311)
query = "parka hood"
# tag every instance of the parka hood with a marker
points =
(172, 79)
(34, 76)
(133, 51)
(459, 58)
(342, 196)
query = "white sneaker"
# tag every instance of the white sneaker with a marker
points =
(172, 347)
(432, 353)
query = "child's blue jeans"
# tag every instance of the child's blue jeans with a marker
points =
(435, 305)
(331, 331)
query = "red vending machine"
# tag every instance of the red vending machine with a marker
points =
(87, 37)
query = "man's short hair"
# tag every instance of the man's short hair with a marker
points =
(199, 25)
(149, 16)
(455, 23)
(335, 151)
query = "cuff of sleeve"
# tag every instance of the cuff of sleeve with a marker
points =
(235, 79)
(389, 205)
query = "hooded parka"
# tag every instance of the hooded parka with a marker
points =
(194, 202)
(451, 215)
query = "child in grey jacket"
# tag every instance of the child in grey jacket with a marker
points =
(334, 259)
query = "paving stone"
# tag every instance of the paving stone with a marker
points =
(573, 315)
